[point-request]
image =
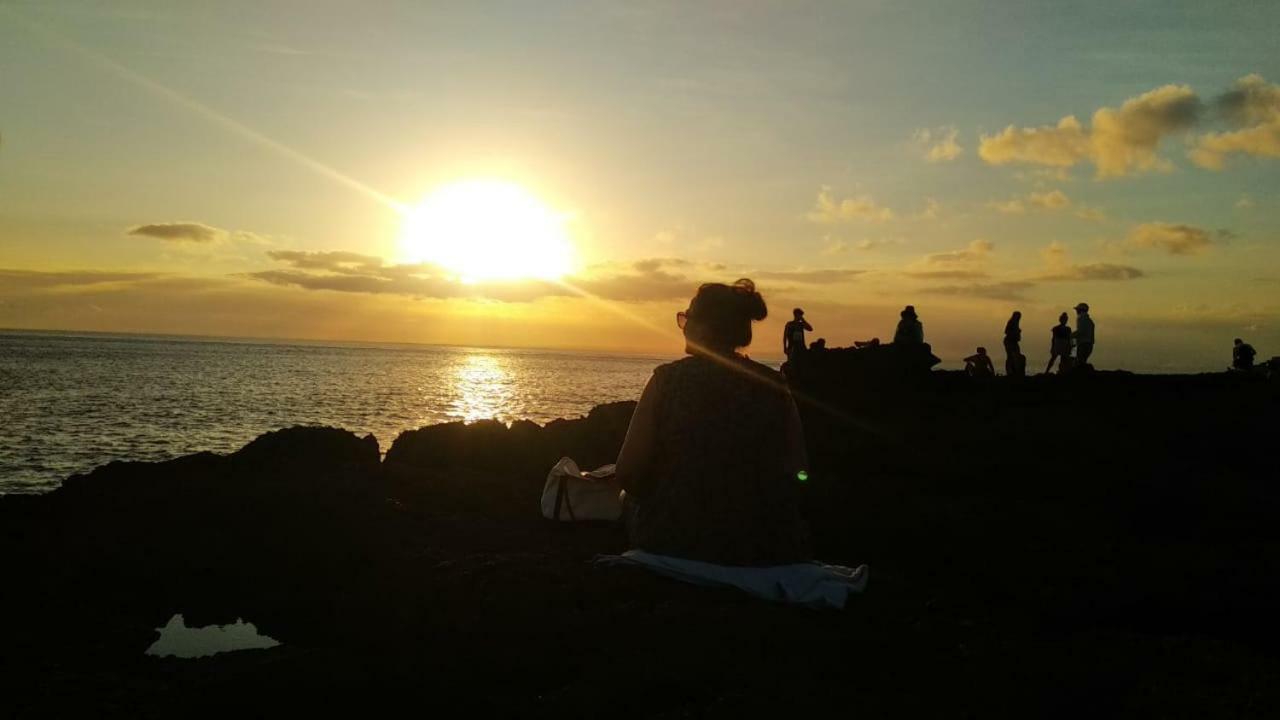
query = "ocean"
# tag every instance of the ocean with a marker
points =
(72, 401)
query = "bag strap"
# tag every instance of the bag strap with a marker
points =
(562, 497)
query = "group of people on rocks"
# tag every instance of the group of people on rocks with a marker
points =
(1062, 341)
(910, 331)
(715, 450)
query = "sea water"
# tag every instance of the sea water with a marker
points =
(72, 401)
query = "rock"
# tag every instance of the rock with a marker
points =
(1034, 541)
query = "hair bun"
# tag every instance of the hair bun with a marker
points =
(752, 302)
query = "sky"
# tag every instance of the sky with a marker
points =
(247, 169)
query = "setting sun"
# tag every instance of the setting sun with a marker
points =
(487, 230)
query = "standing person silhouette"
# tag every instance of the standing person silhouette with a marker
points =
(793, 335)
(1083, 334)
(1060, 346)
(910, 330)
(715, 450)
(1014, 363)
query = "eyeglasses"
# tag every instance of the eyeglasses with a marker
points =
(682, 319)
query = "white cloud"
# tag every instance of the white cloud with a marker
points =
(938, 144)
(1119, 142)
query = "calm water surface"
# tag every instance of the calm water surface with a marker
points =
(71, 402)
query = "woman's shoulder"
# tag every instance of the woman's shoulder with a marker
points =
(693, 365)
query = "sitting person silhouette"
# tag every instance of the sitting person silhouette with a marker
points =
(1242, 354)
(979, 364)
(819, 345)
(715, 450)
(910, 330)
(1060, 347)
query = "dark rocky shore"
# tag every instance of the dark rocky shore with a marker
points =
(1097, 544)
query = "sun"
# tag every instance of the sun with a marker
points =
(487, 230)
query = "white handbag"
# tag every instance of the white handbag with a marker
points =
(572, 495)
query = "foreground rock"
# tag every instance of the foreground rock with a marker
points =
(1101, 544)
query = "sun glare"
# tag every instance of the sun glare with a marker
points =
(487, 230)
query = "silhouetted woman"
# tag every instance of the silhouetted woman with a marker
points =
(1013, 366)
(715, 448)
(910, 330)
(1060, 347)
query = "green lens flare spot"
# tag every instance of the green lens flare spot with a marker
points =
(802, 476)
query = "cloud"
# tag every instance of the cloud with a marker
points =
(333, 261)
(644, 280)
(1004, 290)
(945, 274)
(412, 285)
(1062, 145)
(931, 209)
(1253, 105)
(1008, 207)
(1093, 271)
(812, 277)
(36, 279)
(830, 210)
(1119, 141)
(178, 232)
(964, 264)
(1090, 213)
(1061, 269)
(1173, 239)
(939, 144)
(1250, 101)
(835, 246)
(1050, 200)
(976, 251)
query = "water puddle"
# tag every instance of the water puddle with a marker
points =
(178, 640)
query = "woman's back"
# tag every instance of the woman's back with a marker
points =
(719, 488)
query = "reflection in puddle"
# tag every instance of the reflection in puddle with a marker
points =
(178, 640)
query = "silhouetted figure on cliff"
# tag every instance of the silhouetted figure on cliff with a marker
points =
(715, 449)
(979, 364)
(1242, 354)
(1015, 363)
(1060, 345)
(793, 335)
(1083, 335)
(910, 330)
(819, 345)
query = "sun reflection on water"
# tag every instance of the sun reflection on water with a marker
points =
(481, 388)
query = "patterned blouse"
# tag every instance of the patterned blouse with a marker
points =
(718, 489)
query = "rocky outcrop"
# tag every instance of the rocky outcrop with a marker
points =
(1092, 544)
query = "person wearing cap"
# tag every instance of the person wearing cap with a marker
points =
(910, 330)
(1084, 334)
(793, 335)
